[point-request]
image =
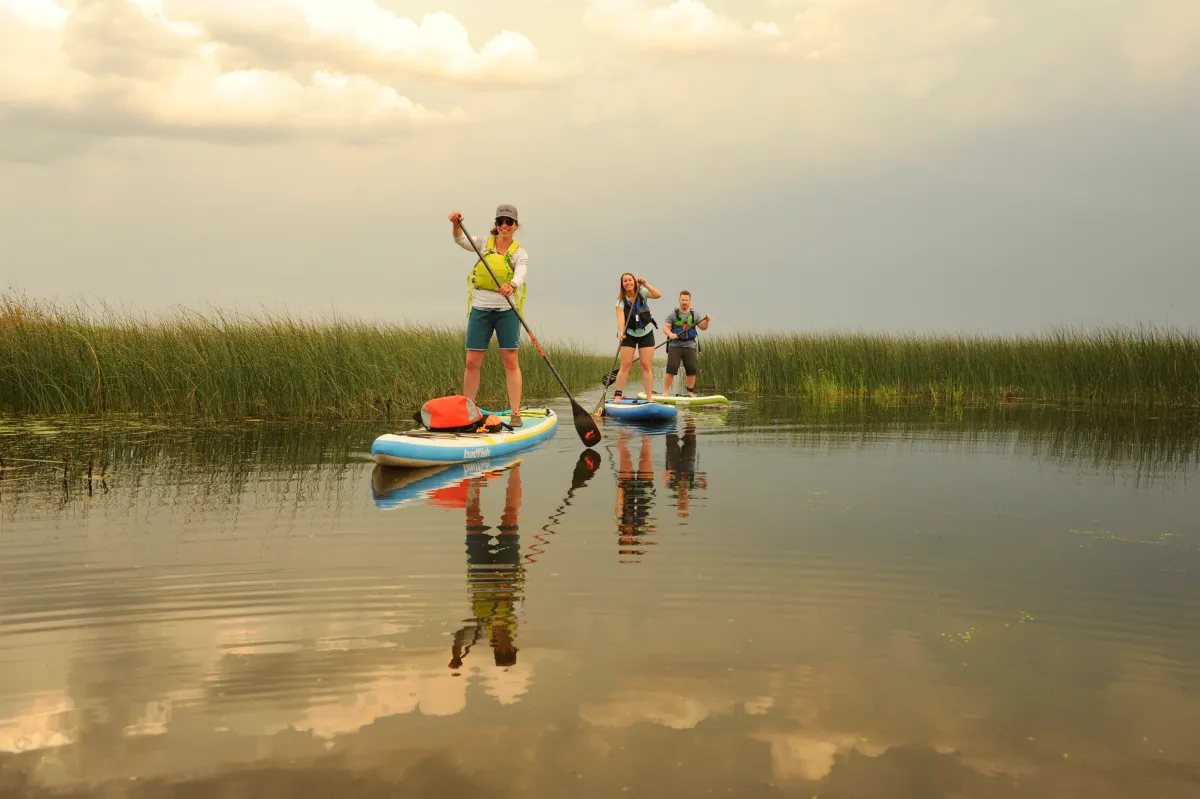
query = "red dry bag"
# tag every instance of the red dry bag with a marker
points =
(452, 414)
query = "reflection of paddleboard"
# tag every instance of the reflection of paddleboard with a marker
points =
(393, 487)
(425, 448)
(638, 410)
(672, 399)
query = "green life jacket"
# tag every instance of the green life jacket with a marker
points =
(501, 264)
(684, 325)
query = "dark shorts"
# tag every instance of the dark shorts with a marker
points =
(483, 322)
(484, 549)
(644, 342)
(688, 355)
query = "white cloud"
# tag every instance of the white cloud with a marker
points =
(226, 70)
(683, 25)
(359, 34)
(41, 14)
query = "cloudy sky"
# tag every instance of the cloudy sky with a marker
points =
(920, 166)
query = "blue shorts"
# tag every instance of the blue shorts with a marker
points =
(484, 321)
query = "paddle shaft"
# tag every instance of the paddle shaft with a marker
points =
(525, 325)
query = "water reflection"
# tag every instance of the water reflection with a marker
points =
(495, 569)
(248, 614)
(636, 527)
(680, 474)
(1149, 445)
(495, 565)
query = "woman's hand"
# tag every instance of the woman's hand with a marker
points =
(456, 217)
(641, 281)
(506, 290)
(620, 336)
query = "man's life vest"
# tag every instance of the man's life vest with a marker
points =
(684, 325)
(637, 313)
(501, 264)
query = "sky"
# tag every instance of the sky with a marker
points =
(925, 166)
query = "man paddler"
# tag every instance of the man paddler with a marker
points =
(681, 328)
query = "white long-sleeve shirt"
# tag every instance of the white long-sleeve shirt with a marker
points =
(494, 300)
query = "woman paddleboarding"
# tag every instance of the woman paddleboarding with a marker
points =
(635, 330)
(489, 310)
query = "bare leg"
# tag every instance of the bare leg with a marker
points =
(471, 373)
(512, 378)
(646, 358)
(691, 383)
(668, 379)
(623, 372)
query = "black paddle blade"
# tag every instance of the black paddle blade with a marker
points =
(585, 425)
(585, 468)
(609, 379)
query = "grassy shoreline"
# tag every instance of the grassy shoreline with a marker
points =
(1115, 366)
(72, 361)
(56, 360)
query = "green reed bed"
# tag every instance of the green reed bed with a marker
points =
(1139, 366)
(56, 360)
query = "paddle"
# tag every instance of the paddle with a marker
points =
(585, 425)
(585, 469)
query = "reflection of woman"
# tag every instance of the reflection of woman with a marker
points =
(680, 474)
(635, 498)
(495, 575)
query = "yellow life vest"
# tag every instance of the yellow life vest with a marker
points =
(501, 264)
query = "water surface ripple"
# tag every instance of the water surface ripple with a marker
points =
(772, 599)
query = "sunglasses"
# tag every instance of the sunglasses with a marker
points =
(504, 220)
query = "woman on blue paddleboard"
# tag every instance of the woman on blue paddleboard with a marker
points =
(635, 330)
(489, 311)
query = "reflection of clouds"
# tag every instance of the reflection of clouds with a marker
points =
(424, 685)
(901, 695)
(799, 757)
(680, 703)
(43, 721)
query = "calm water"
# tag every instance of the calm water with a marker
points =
(763, 601)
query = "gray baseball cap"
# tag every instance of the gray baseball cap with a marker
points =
(507, 210)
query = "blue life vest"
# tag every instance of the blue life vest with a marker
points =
(639, 317)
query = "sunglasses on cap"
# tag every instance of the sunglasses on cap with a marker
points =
(506, 220)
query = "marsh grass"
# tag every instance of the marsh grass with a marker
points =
(72, 360)
(1134, 367)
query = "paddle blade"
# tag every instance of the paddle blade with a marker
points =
(609, 379)
(585, 468)
(585, 425)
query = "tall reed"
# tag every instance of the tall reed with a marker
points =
(1111, 366)
(69, 360)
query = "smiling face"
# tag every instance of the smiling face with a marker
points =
(628, 283)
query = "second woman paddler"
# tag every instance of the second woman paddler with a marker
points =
(635, 330)
(489, 311)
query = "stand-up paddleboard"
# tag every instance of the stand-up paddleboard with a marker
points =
(397, 487)
(674, 399)
(425, 448)
(639, 410)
